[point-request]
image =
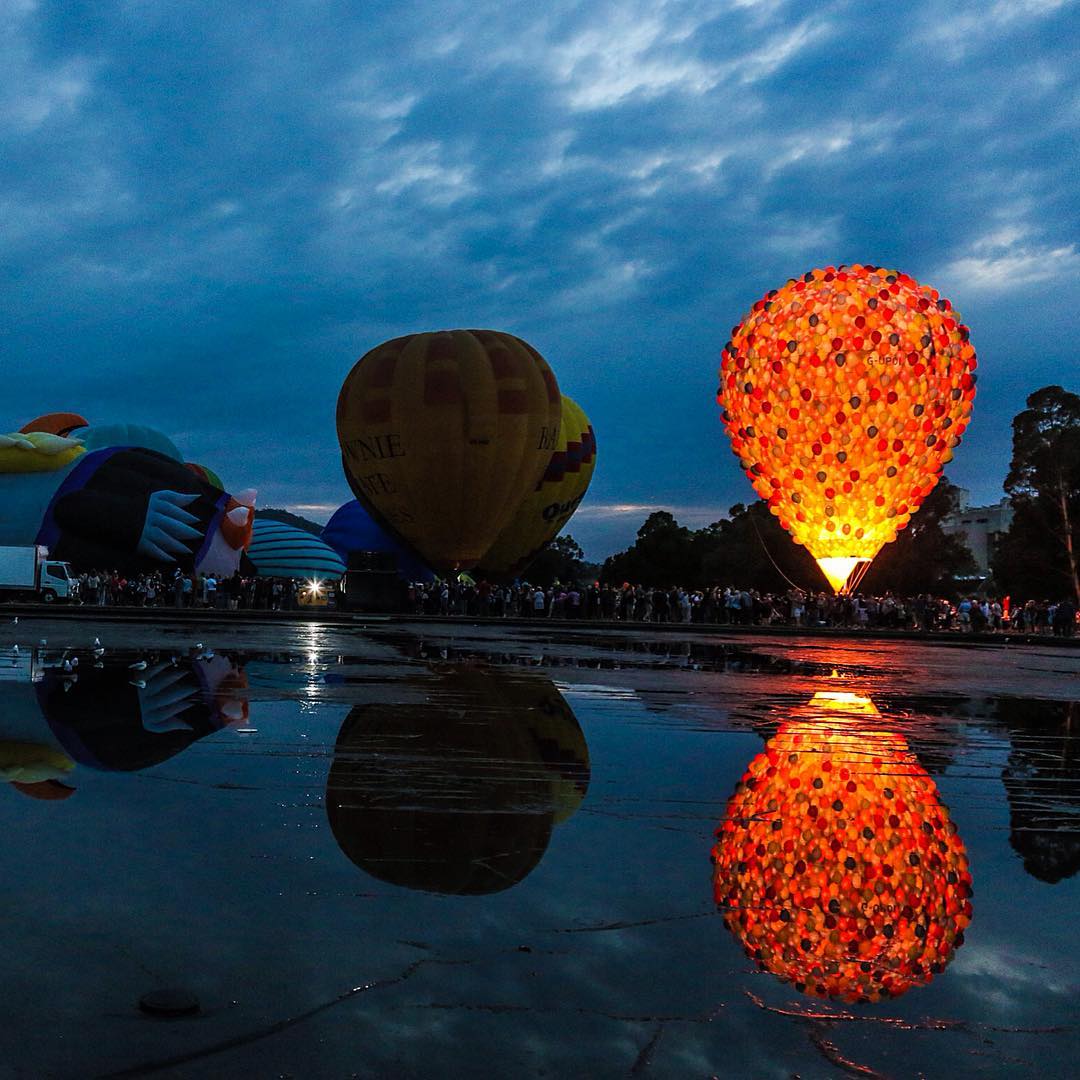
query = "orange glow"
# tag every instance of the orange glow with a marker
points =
(844, 394)
(837, 864)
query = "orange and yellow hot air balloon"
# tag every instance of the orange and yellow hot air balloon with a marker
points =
(442, 435)
(837, 864)
(549, 506)
(845, 393)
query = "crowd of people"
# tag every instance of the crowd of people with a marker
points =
(726, 605)
(179, 589)
(720, 605)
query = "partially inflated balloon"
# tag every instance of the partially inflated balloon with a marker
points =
(443, 434)
(844, 394)
(352, 529)
(206, 474)
(837, 864)
(551, 504)
(56, 423)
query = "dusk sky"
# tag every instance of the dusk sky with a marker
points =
(208, 212)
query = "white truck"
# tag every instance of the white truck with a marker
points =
(27, 573)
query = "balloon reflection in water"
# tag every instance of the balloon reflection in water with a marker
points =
(103, 717)
(460, 794)
(837, 862)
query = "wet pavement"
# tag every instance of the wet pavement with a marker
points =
(397, 850)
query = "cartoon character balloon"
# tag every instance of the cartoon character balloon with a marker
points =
(116, 497)
(837, 864)
(443, 434)
(544, 512)
(845, 393)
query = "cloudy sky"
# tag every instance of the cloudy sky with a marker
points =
(209, 211)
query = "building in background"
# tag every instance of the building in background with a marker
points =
(980, 527)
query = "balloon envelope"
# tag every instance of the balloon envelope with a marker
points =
(281, 550)
(837, 864)
(442, 434)
(352, 528)
(844, 394)
(99, 436)
(549, 506)
(458, 794)
(60, 423)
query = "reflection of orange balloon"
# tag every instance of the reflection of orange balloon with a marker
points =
(443, 434)
(838, 865)
(844, 394)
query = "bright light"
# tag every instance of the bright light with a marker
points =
(837, 569)
(315, 587)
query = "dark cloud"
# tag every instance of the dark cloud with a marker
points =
(207, 213)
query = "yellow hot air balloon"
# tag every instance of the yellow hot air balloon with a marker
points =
(844, 394)
(442, 434)
(551, 504)
(837, 864)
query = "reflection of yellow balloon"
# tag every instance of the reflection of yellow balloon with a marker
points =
(556, 734)
(837, 863)
(844, 394)
(442, 435)
(459, 794)
(550, 505)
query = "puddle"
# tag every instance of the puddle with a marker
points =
(465, 853)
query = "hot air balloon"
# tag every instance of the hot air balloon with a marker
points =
(116, 496)
(442, 435)
(549, 506)
(352, 529)
(837, 864)
(60, 423)
(845, 393)
(206, 474)
(278, 549)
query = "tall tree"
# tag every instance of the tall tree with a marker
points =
(1038, 555)
(562, 560)
(751, 550)
(663, 554)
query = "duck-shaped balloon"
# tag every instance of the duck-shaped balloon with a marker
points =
(117, 497)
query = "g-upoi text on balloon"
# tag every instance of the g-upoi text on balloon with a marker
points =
(844, 394)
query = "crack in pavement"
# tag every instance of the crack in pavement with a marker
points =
(147, 1067)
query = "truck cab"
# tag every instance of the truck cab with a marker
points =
(56, 581)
